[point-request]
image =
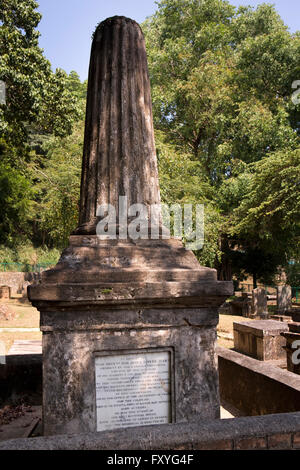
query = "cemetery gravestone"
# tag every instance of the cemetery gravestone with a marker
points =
(129, 325)
(284, 299)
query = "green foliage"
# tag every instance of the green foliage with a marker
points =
(75, 87)
(40, 111)
(271, 204)
(227, 133)
(183, 182)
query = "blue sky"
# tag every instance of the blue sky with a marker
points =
(67, 25)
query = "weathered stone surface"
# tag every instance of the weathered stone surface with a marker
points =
(284, 299)
(241, 306)
(5, 292)
(284, 318)
(96, 318)
(118, 273)
(261, 328)
(260, 339)
(259, 302)
(252, 443)
(120, 295)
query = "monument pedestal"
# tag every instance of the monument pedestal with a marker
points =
(129, 335)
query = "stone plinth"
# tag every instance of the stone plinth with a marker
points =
(293, 347)
(5, 292)
(284, 299)
(260, 339)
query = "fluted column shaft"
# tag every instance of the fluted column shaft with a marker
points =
(119, 151)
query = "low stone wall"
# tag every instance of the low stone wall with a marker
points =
(255, 387)
(264, 432)
(17, 281)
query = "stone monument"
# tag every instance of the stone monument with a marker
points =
(129, 325)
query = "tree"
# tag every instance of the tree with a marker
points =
(34, 94)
